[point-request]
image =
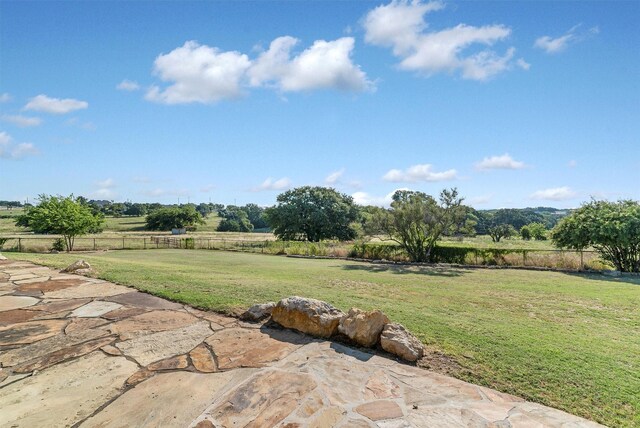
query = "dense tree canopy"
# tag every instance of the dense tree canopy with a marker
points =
(174, 217)
(416, 220)
(61, 215)
(313, 214)
(612, 228)
(234, 219)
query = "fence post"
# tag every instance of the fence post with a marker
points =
(581, 260)
(475, 251)
(95, 248)
(19, 245)
(524, 258)
(123, 242)
(145, 243)
(208, 243)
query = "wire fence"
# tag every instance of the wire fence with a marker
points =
(539, 258)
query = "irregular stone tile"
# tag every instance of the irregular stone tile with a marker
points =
(65, 394)
(94, 309)
(263, 401)
(16, 316)
(205, 424)
(151, 322)
(8, 303)
(111, 350)
(420, 397)
(379, 410)
(30, 331)
(20, 277)
(139, 376)
(30, 293)
(355, 423)
(173, 363)
(60, 277)
(80, 324)
(158, 346)
(122, 313)
(380, 386)
(499, 397)
(144, 300)
(327, 417)
(166, 400)
(63, 355)
(211, 316)
(49, 345)
(520, 420)
(50, 285)
(202, 359)
(48, 316)
(13, 378)
(88, 290)
(310, 405)
(238, 347)
(53, 306)
(33, 280)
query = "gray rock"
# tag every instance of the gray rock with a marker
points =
(80, 265)
(363, 327)
(258, 312)
(397, 340)
(2, 257)
(309, 316)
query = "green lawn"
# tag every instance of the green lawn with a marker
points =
(568, 341)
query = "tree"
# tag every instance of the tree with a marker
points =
(538, 231)
(525, 232)
(234, 219)
(500, 231)
(174, 218)
(611, 228)
(60, 215)
(313, 214)
(256, 216)
(416, 220)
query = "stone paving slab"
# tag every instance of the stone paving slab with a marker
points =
(83, 352)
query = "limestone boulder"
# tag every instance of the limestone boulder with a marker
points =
(309, 316)
(397, 340)
(363, 327)
(258, 312)
(80, 265)
(2, 257)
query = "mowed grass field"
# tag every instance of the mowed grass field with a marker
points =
(567, 341)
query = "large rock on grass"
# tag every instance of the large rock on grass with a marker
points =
(80, 266)
(363, 327)
(2, 257)
(258, 312)
(397, 340)
(309, 316)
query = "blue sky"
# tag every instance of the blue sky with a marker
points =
(514, 103)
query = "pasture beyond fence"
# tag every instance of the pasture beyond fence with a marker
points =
(542, 258)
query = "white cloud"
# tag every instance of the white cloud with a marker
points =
(11, 150)
(572, 163)
(554, 194)
(364, 198)
(499, 162)
(55, 105)
(106, 184)
(104, 194)
(198, 73)
(271, 184)
(128, 85)
(559, 44)
(523, 64)
(334, 177)
(5, 97)
(22, 121)
(417, 173)
(401, 26)
(204, 74)
(326, 64)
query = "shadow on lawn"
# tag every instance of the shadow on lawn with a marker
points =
(406, 269)
(631, 279)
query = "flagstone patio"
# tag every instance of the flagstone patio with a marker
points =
(77, 351)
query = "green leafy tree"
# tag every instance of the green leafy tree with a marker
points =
(61, 215)
(313, 214)
(234, 219)
(417, 220)
(611, 228)
(256, 216)
(538, 231)
(174, 218)
(525, 233)
(500, 231)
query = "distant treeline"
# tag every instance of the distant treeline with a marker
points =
(251, 217)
